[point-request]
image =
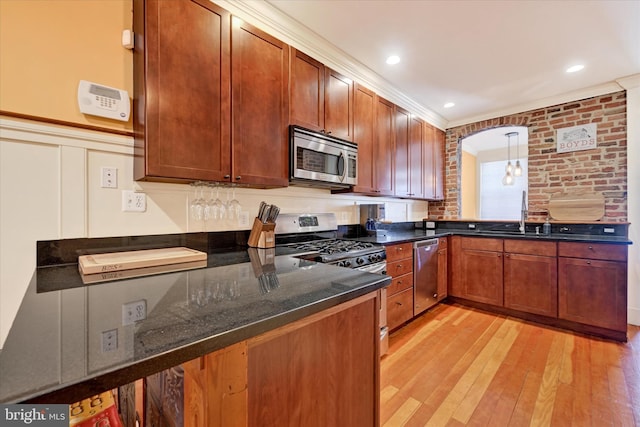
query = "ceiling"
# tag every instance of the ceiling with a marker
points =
(488, 57)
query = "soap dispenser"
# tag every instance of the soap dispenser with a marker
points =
(546, 227)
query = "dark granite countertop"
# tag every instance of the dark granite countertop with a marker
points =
(56, 350)
(388, 237)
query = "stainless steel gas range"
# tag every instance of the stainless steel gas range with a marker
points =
(314, 237)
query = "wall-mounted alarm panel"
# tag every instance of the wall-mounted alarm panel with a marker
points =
(103, 101)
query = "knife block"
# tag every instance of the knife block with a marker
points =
(262, 235)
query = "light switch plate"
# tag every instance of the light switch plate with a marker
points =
(108, 177)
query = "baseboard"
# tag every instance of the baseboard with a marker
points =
(633, 316)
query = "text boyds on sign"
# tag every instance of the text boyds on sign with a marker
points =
(576, 138)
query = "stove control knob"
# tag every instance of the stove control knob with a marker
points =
(346, 263)
(360, 260)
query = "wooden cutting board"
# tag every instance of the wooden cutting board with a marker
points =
(116, 261)
(577, 207)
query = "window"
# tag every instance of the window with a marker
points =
(498, 201)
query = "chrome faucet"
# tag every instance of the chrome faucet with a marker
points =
(523, 212)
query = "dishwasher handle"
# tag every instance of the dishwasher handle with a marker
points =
(426, 244)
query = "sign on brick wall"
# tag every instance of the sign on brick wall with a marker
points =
(576, 138)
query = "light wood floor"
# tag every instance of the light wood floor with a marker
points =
(458, 366)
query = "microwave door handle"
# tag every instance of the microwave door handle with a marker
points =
(341, 166)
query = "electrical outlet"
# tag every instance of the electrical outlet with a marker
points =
(243, 219)
(109, 177)
(133, 312)
(133, 202)
(109, 340)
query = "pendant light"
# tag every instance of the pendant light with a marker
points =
(508, 176)
(518, 169)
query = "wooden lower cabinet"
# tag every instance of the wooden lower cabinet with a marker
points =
(399, 308)
(400, 292)
(442, 269)
(578, 286)
(319, 371)
(531, 277)
(593, 290)
(477, 269)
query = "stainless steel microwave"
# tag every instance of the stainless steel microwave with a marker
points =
(320, 160)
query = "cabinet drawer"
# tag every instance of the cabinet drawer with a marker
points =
(396, 252)
(481, 244)
(529, 247)
(399, 308)
(398, 268)
(593, 251)
(400, 283)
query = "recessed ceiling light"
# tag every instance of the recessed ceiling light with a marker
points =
(575, 68)
(449, 105)
(393, 60)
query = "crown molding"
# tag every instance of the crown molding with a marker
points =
(576, 95)
(268, 18)
(629, 82)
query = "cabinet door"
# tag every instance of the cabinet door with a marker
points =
(593, 292)
(416, 155)
(483, 276)
(442, 274)
(383, 148)
(438, 164)
(399, 308)
(181, 90)
(428, 165)
(260, 113)
(402, 160)
(531, 283)
(364, 108)
(307, 91)
(338, 105)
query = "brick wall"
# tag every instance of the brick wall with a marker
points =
(603, 169)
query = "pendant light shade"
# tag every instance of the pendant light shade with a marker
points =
(510, 171)
(518, 169)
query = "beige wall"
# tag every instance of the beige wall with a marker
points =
(48, 46)
(469, 186)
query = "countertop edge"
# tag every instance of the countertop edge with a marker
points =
(127, 374)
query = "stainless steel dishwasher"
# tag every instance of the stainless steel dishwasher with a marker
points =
(425, 275)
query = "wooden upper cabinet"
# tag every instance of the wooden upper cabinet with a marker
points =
(428, 161)
(321, 99)
(438, 164)
(181, 90)
(384, 147)
(363, 132)
(307, 91)
(338, 105)
(416, 154)
(402, 154)
(260, 113)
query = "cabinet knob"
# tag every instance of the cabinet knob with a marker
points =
(227, 176)
(590, 247)
(506, 255)
(399, 303)
(589, 262)
(238, 178)
(435, 296)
